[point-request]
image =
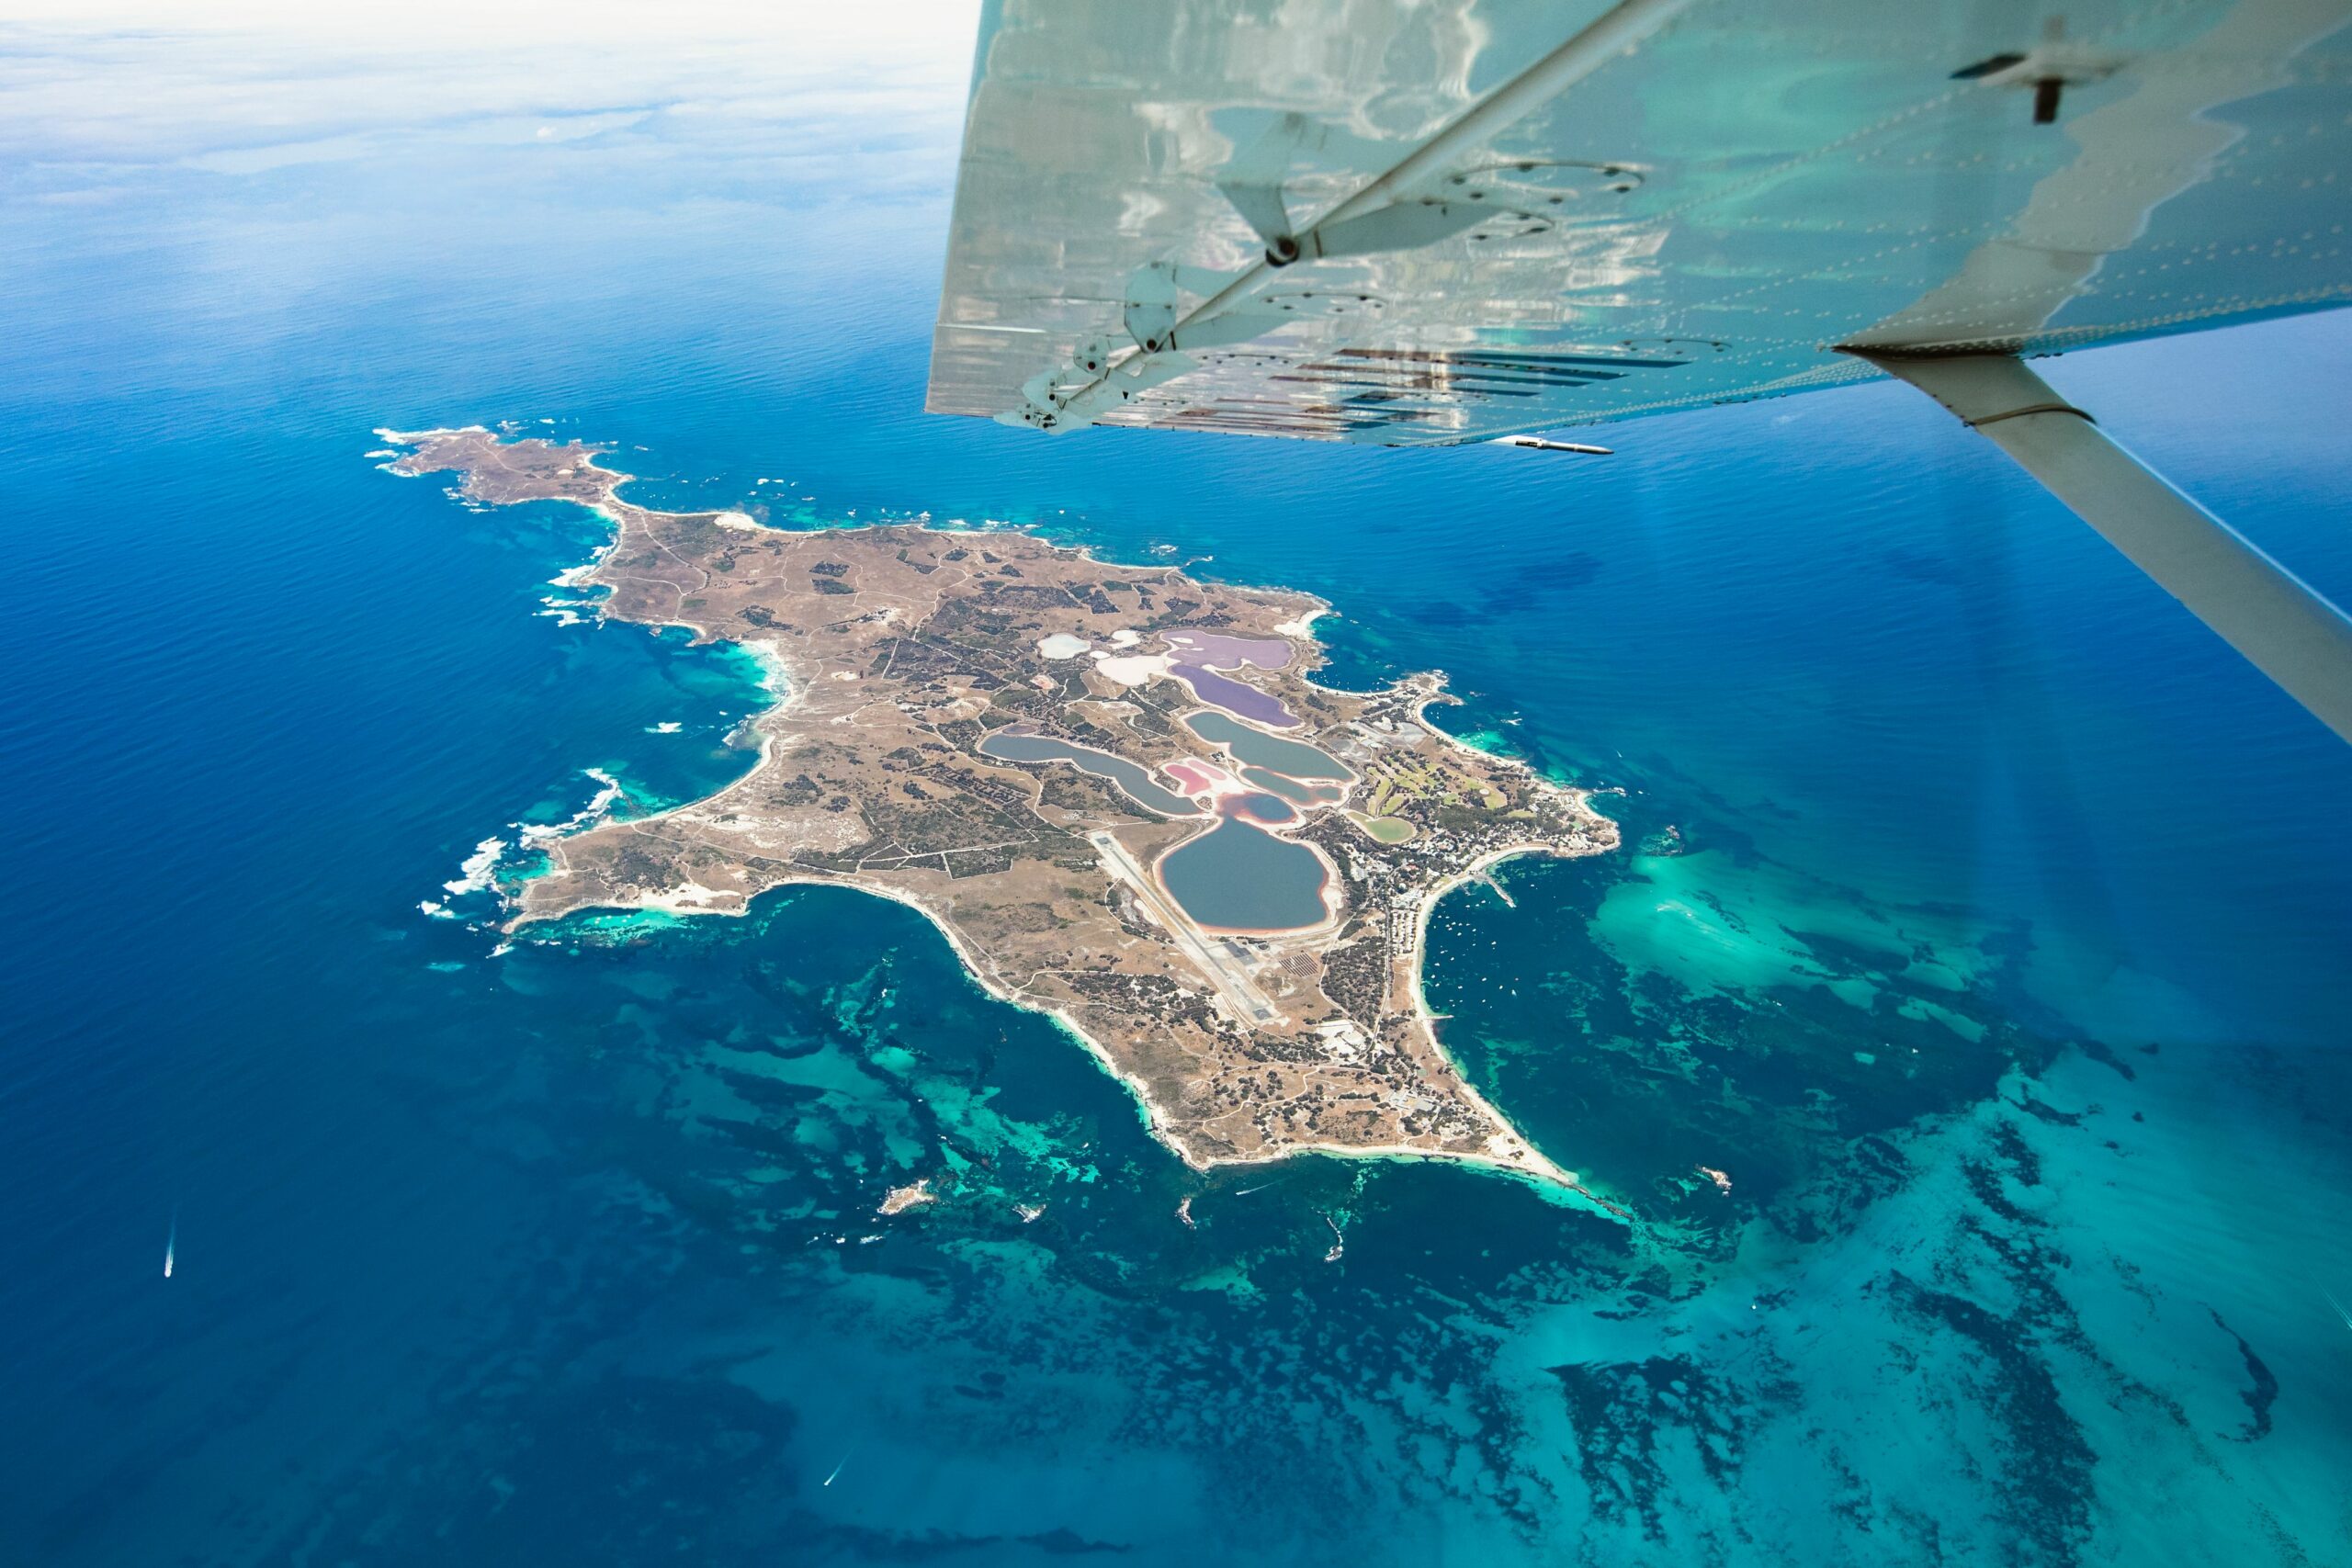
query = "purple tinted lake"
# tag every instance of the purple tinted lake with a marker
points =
(1234, 697)
(1219, 651)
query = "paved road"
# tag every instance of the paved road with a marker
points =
(1236, 986)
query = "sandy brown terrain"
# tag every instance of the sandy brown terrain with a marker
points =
(900, 649)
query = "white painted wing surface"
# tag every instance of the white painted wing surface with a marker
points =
(1511, 216)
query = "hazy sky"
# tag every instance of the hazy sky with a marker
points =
(259, 82)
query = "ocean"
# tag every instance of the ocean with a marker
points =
(1981, 924)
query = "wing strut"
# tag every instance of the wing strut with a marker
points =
(2266, 613)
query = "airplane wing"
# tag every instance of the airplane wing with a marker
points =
(1416, 224)
(1692, 201)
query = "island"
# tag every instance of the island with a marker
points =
(1116, 789)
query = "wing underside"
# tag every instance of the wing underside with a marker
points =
(1425, 223)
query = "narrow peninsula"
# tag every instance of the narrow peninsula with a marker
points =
(1117, 790)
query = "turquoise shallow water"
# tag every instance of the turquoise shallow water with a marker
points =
(1979, 921)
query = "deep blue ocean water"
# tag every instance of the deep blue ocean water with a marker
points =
(1981, 917)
